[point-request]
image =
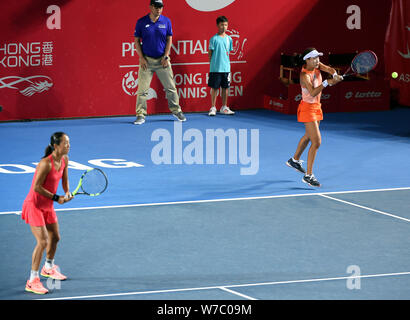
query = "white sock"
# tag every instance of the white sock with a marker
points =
(33, 275)
(223, 107)
(294, 160)
(49, 263)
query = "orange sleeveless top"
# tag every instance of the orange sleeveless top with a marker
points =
(316, 79)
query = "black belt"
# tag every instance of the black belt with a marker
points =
(154, 57)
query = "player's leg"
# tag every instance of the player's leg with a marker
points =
(224, 96)
(303, 143)
(144, 82)
(295, 162)
(225, 84)
(33, 284)
(166, 76)
(313, 133)
(51, 270)
(41, 235)
(54, 237)
(214, 82)
(214, 95)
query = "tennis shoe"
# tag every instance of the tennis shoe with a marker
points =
(35, 286)
(297, 165)
(180, 116)
(139, 120)
(226, 110)
(311, 180)
(212, 112)
(53, 273)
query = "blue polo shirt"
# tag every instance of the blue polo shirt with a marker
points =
(221, 46)
(153, 35)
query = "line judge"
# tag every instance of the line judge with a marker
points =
(153, 40)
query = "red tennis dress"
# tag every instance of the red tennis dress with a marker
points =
(38, 210)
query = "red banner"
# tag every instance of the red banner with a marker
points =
(72, 58)
(397, 49)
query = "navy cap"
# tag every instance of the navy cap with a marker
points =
(157, 3)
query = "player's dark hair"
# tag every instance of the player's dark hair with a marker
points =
(300, 60)
(221, 19)
(54, 139)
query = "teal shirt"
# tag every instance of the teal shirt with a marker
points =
(220, 46)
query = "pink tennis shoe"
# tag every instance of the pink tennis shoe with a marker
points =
(36, 286)
(53, 273)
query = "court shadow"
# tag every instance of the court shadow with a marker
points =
(301, 188)
(172, 119)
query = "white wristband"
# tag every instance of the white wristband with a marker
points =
(325, 84)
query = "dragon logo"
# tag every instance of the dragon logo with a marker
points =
(130, 85)
(27, 86)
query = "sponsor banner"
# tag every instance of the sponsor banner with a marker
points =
(364, 96)
(344, 97)
(276, 104)
(78, 59)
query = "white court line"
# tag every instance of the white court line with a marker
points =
(180, 64)
(237, 293)
(215, 200)
(230, 286)
(367, 208)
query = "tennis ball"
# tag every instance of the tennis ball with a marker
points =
(394, 75)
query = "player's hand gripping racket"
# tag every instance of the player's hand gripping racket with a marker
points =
(92, 183)
(362, 63)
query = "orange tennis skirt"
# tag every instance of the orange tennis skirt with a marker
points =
(309, 112)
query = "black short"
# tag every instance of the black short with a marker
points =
(219, 80)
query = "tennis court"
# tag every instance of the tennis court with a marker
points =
(206, 231)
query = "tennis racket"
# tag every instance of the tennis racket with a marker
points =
(362, 63)
(92, 183)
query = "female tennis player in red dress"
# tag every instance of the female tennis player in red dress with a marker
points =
(310, 111)
(38, 209)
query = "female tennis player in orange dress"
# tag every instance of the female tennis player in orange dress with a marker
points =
(38, 209)
(310, 111)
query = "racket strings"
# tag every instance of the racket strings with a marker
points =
(94, 182)
(364, 62)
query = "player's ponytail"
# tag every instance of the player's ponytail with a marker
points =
(55, 139)
(299, 60)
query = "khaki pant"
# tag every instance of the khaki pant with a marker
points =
(166, 76)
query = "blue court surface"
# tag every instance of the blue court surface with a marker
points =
(188, 216)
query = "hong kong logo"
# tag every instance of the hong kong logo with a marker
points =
(130, 85)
